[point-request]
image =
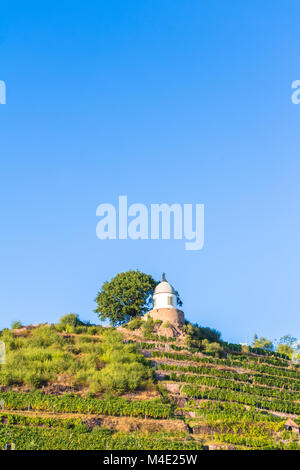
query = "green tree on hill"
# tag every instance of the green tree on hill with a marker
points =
(288, 345)
(126, 296)
(263, 343)
(71, 319)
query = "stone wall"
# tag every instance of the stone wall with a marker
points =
(173, 315)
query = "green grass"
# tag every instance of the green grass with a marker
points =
(100, 364)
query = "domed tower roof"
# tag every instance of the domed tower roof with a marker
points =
(164, 287)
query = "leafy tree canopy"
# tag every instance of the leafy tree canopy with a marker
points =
(289, 340)
(71, 319)
(263, 343)
(201, 332)
(126, 296)
(288, 345)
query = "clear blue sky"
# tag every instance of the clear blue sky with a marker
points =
(163, 101)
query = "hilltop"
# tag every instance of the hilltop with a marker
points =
(81, 386)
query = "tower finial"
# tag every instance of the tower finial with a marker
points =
(164, 277)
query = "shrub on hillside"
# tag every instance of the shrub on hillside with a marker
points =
(94, 330)
(214, 348)
(36, 379)
(148, 326)
(188, 340)
(72, 319)
(83, 377)
(9, 377)
(199, 332)
(125, 370)
(129, 377)
(71, 323)
(262, 343)
(44, 336)
(135, 324)
(16, 325)
(11, 341)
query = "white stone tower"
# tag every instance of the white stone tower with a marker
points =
(165, 304)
